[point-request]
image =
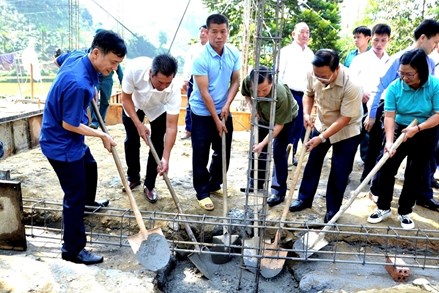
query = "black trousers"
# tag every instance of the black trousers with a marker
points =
(78, 181)
(132, 148)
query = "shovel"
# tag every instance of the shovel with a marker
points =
(150, 246)
(222, 243)
(312, 242)
(273, 257)
(198, 259)
(251, 246)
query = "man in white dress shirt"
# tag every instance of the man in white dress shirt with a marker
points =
(194, 51)
(148, 91)
(366, 70)
(294, 64)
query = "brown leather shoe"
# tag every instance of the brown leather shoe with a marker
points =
(151, 195)
(132, 185)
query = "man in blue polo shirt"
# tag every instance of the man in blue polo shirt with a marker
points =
(216, 76)
(63, 132)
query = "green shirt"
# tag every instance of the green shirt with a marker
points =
(286, 105)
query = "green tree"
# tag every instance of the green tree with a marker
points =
(163, 39)
(403, 20)
(322, 17)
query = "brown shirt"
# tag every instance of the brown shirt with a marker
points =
(340, 98)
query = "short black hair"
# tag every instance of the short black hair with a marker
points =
(109, 42)
(362, 30)
(429, 28)
(217, 19)
(203, 26)
(381, 29)
(165, 64)
(417, 59)
(326, 57)
(263, 72)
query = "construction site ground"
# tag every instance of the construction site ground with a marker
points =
(40, 268)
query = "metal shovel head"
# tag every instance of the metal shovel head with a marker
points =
(308, 244)
(152, 249)
(203, 264)
(273, 261)
(222, 247)
(250, 253)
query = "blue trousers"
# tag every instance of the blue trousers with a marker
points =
(280, 166)
(297, 131)
(78, 181)
(132, 148)
(104, 89)
(187, 118)
(204, 137)
(343, 154)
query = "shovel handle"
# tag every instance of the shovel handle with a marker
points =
(369, 176)
(296, 175)
(173, 194)
(125, 184)
(224, 169)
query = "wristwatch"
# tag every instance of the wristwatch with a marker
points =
(322, 137)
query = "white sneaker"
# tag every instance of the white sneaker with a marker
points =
(373, 197)
(436, 174)
(406, 222)
(379, 215)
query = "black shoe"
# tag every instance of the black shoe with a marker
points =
(328, 217)
(97, 205)
(431, 204)
(434, 184)
(299, 205)
(83, 257)
(132, 185)
(251, 189)
(151, 195)
(275, 199)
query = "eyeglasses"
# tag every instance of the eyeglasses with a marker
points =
(323, 79)
(408, 75)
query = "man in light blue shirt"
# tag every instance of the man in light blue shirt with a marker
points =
(216, 76)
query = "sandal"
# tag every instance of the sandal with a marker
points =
(206, 203)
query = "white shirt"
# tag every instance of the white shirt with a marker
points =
(193, 52)
(294, 64)
(151, 101)
(435, 56)
(366, 70)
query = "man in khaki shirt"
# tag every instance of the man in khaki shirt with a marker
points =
(338, 124)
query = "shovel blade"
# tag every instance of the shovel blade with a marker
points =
(308, 244)
(203, 264)
(250, 253)
(151, 249)
(222, 247)
(273, 260)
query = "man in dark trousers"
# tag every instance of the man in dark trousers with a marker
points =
(63, 132)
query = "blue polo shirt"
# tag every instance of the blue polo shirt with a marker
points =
(68, 99)
(409, 103)
(219, 70)
(390, 74)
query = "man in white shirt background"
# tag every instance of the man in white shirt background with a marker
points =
(294, 64)
(193, 52)
(366, 70)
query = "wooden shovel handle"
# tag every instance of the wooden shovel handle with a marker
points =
(125, 183)
(369, 176)
(296, 175)
(173, 194)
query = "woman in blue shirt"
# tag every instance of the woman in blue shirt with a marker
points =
(414, 95)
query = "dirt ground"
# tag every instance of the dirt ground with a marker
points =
(39, 181)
